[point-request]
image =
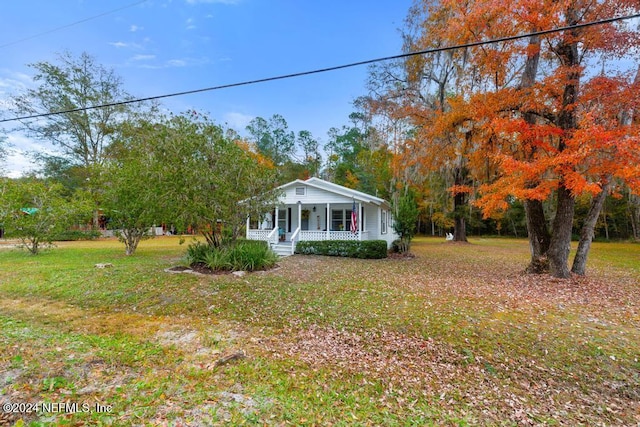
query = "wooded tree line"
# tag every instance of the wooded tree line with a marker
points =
(536, 136)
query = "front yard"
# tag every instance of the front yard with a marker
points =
(455, 336)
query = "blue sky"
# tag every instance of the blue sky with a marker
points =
(165, 46)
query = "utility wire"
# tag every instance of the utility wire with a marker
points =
(334, 68)
(53, 30)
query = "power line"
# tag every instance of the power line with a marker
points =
(334, 68)
(53, 30)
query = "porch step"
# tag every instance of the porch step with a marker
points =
(282, 249)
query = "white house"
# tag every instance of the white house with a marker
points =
(319, 210)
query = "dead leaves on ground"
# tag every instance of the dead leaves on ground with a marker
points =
(531, 349)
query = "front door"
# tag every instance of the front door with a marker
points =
(304, 221)
(282, 224)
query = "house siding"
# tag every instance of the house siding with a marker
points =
(371, 222)
(313, 196)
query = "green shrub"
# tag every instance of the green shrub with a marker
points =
(71, 235)
(396, 246)
(366, 249)
(243, 255)
(197, 252)
(218, 259)
(251, 255)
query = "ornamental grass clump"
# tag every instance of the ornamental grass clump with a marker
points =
(243, 255)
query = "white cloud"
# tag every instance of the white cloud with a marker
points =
(18, 161)
(135, 28)
(238, 121)
(190, 24)
(123, 45)
(11, 82)
(143, 57)
(17, 164)
(177, 63)
(147, 63)
(168, 64)
(5, 104)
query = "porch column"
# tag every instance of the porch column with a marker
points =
(328, 219)
(359, 220)
(248, 225)
(275, 225)
(299, 214)
(364, 219)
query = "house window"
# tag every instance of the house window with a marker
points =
(340, 219)
(383, 223)
(300, 191)
(337, 220)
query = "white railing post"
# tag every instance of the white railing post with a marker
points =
(270, 237)
(328, 220)
(293, 240)
(359, 217)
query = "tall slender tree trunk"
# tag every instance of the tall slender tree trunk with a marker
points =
(560, 244)
(633, 209)
(539, 237)
(587, 231)
(537, 230)
(95, 221)
(459, 204)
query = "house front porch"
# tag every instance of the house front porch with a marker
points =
(285, 226)
(284, 247)
(314, 210)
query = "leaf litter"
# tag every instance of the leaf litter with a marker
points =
(459, 329)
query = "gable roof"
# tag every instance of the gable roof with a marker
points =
(337, 189)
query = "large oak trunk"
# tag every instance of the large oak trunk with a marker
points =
(539, 237)
(460, 231)
(560, 244)
(567, 121)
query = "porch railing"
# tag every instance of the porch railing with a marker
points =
(294, 236)
(271, 236)
(332, 235)
(259, 234)
(313, 235)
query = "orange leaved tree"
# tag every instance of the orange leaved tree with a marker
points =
(544, 119)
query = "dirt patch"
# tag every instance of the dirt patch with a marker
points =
(202, 269)
(396, 255)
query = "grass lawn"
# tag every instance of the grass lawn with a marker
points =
(455, 336)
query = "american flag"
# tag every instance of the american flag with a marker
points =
(354, 219)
